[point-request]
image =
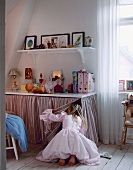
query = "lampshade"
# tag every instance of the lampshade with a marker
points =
(14, 73)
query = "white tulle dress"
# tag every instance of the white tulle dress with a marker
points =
(69, 141)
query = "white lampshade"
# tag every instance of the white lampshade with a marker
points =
(14, 73)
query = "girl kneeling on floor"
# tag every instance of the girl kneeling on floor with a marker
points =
(69, 143)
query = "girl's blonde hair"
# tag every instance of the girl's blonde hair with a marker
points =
(76, 110)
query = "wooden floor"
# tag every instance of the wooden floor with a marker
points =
(121, 160)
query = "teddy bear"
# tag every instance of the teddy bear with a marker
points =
(129, 110)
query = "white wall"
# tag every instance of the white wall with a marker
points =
(17, 25)
(61, 16)
(10, 4)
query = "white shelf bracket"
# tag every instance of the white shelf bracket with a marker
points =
(33, 55)
(81, 54)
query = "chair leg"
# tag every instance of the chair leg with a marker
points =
(14, 147)
(8, 140)
(125, 135)
(122, 138)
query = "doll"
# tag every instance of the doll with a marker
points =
(70, 143)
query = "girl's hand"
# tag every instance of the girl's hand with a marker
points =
(53, 110)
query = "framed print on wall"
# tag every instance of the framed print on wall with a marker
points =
(129, 85)
(28, 73)
(55, 40)
(121, 85)
(30, 42)
(78, 39)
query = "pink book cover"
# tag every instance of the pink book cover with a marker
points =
(86, 82)
(80, 82)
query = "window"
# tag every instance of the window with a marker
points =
(126, 41)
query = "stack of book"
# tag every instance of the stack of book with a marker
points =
(85, 82)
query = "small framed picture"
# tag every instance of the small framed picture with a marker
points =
(78, 39)
(129, 85)
(56, 40)
(121, 85)
(28, 73)
(30, 42)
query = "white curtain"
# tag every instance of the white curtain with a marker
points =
(123, 2)
(108, 97)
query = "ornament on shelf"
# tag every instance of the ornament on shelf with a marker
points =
(14, 85)
(29, 87)
(14, 73)
(41, 79)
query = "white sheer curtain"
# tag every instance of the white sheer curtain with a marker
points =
(125, 2)
(108, 97)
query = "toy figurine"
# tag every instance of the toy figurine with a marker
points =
(58, 87)
(14, 85)
(40, 80)
(70, 88)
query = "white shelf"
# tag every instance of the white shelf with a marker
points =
(81, 51)
(69, 95)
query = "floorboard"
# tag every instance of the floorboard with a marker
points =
(121, 159)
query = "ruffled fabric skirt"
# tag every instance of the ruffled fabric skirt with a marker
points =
(70, 142)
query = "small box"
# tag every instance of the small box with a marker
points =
(86, 82)
(22, 87)
(80, 82)
(88, 85)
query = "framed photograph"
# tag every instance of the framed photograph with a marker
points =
(55, 40)
(28, 73)
(78, 39)
(30, 42)
(121, 85)
(129, 85)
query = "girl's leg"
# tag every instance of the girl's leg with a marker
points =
(72, 160)
(62, 162)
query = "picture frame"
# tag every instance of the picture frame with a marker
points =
(57, 73)
(78, 39)
(56, 40)
(121, 85)
(30, 42)
(129, 85)
(28, 73)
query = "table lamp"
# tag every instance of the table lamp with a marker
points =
(14, 73)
